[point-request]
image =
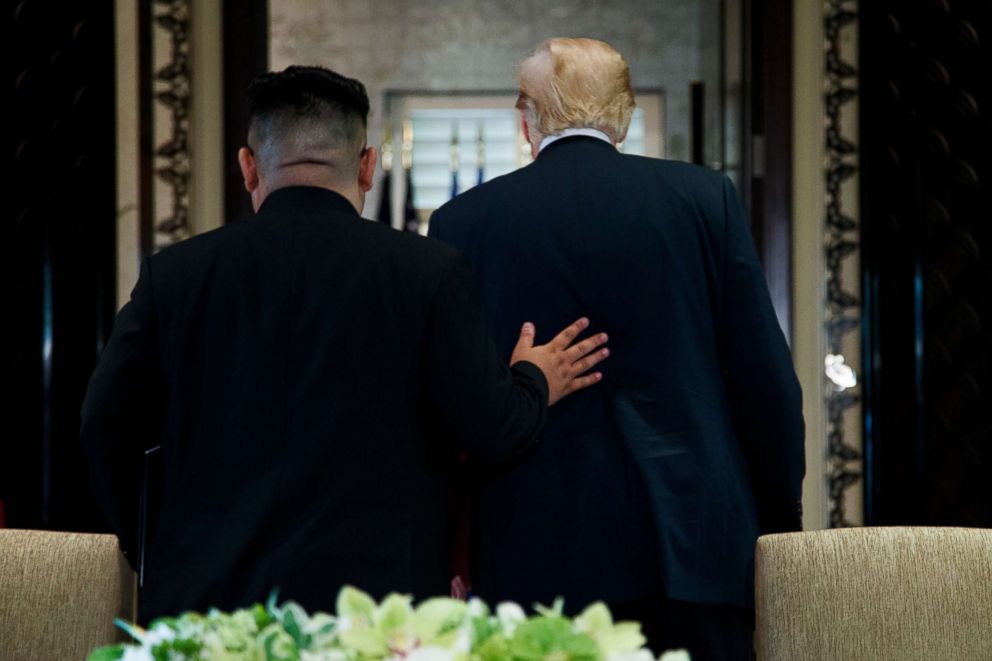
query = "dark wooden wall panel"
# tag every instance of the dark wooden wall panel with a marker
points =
(59, 240)
(771, 187)
(246, 55)
(927, 260)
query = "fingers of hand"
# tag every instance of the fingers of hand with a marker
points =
(586, 346)
(526, 340)
(589, 361)
(585, 381)
(565, 338)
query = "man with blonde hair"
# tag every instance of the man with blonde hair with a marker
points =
(649, 491)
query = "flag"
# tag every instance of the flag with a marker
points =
(480, 157)
(453, 162)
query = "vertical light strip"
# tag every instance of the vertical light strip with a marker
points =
(809, 283)
(128, 194)
(46, 382)
(206, 116)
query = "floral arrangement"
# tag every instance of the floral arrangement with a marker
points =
(438, 629)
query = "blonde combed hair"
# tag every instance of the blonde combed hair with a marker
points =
(575, 83)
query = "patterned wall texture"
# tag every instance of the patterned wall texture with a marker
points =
(169, 83)
(843, 317)
(927, 178)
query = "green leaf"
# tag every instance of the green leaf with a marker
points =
(107, 653)
(279, 645)
(294, 621)
(483, 629)
(322, 629)
(536, 638)
(579, 646)
(179, 648)
(131, 629)
(167, 621)
(495, 648)
(552, 638)
(271, 604)
(261, 615)
(555, 610)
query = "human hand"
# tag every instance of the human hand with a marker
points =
(563, 364)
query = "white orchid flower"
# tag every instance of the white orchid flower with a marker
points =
(157, 635)
(463, 640)
(324, 655)
(509, 615)
(431, 653)
(477, 608)
(438, 629)
(136, 654)
(643, 654)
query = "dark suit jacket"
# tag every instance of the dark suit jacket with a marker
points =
(297, 368)
(693, 443)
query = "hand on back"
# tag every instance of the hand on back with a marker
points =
(564, 364)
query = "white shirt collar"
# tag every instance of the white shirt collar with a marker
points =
(567, 133)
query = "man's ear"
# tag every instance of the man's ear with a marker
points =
(366, 169)
(623, 136)
(249, 169)
(526, 128)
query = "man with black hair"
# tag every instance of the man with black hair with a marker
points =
(297, 369)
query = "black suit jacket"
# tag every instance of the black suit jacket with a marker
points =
(297, 368)
(665, 473)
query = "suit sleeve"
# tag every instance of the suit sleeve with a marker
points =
(761, 382)
(493, 411)
(122, 412)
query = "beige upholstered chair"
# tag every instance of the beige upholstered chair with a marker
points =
(875, 594)
(60, 593)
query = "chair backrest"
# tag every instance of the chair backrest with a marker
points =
(60, 593)
(875, 593)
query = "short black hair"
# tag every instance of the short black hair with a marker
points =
(304, 89)
(304, 113)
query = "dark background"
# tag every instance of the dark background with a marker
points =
(926, 178)
(59, 250)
